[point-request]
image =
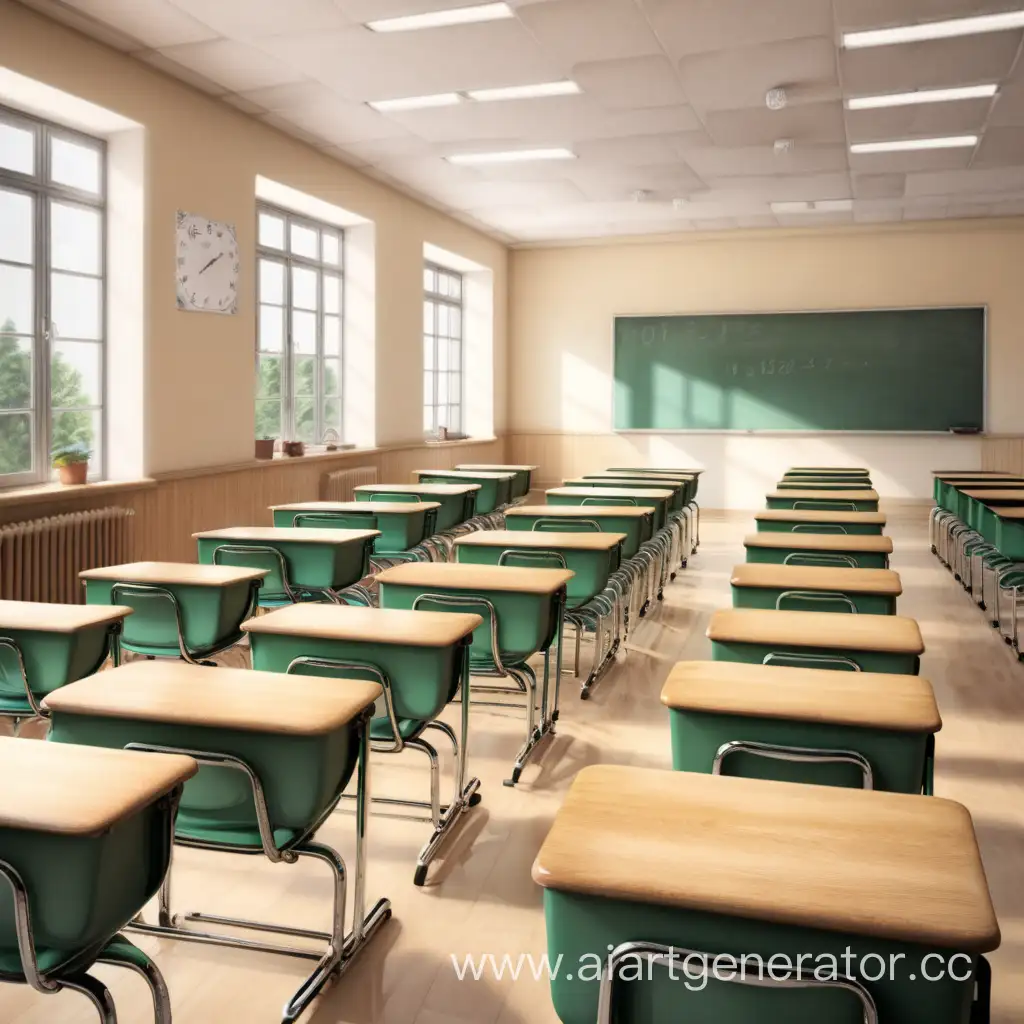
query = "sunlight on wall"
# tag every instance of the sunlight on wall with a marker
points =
(360, 333)
(585, 396)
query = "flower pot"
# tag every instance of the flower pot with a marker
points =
(264, 448)
(294, 448)
(74, 472)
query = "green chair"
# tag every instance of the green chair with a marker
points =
(522, 476)
(420, 659)
(801, 520)
(275, 756)
(768, 901)
(522, 612)
(302, 564)
(180, 610)
(854, 500)
(46, 646)
(85, 842)
(851, 551)
(495, 488)
(854, 643)
(812, 726)
(457, 501)
(815, 588)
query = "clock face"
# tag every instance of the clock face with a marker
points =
(207, 265)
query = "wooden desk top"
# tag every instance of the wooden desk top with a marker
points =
(626, 474)
(892, 634)
(581, 512)
(496, 467)
(812, 495)
(397, 508)
(664, 482)
(1009, 511)
(952, 474)
(873, 700)
(444, 490)
(230, 698)
(656, 469)
(810, 515)
(291, 534)
(817, 577)
(657, 493)
(58, 618)
(572, 541)
(367, 625)
(481, 475)
(883, 865)
(184, 573)
(477, 577)
(875, 543)
(71, 790)
(1000, 493)
(828, 469)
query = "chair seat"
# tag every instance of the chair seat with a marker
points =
(15, 705)
(63, 963)
(241, 838)
(408, 729)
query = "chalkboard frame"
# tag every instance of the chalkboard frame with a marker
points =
(983, 306)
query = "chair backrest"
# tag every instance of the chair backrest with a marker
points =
(485, 637)
(395, 496)
(276, 584)
(609, 501)
(532, 558)
(336, 520)
(570, 524)
(156, 619)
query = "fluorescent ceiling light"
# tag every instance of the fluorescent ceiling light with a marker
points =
(906, 99)
(813, 206)
(512, 156)
(934, 30)
(907, 145)
(525, 92)
(437, 99)
(442, 19)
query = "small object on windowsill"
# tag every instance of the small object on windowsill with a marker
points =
(264, 447)
(330, 440)
(442, 433)
(72, 463)
(293, 449)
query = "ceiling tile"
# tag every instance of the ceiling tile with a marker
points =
(713, 161)
(863, 14)
(965, 183)
(795, 187)
(163, 63)
(340, 122)
(924, 119)
(879, 186)
(763, 220)
(902, 163)
(483, 194)
(814, 123)
(877, 211)
(704, 26)
(814, 220)
(580, 31)
(605, 183)
(236, 66)
(637, 150)
(155, 23)
(372, 151)
(631, 82)
(1008, 108)
(251, 19)
(1001, 147)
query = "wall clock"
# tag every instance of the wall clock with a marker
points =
(207, 265)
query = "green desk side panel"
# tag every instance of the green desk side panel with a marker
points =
(895, 370)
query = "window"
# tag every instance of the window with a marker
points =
(442, 350)
(52, 293)
(298, 347)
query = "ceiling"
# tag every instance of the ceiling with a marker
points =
(672, 105)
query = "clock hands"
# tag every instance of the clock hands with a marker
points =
(210, 264)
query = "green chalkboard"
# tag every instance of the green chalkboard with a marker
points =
(894, 370)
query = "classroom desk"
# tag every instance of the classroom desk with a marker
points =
(403, 525)
(806, 520)
(812, 470)
(302, 561)
(868, 643)
(181, 610)
(634, 522)
(731, 865)
(849, 476)
(420, 658)
(817, 483)
(85, 841)
(495, 488)
(854, 551)
(522, 609)
(686, 482)
(946, 485)
(815, 588)
(731, 718)
(275, 755)
(457, 501)
(972, 504)
(523, 475)
(854, 500)
(657, 498)
(672, 484)
(1010, 531)
(46, 646)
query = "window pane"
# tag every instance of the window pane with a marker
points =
(272, 282)
(428, 318)
(332, 293)
(75, 165)
(304, 332)
(455, 322)
(454, 355)
(305, 242)
(15, 443)
(442, 320)
(454, 388)
(75, 238)
(428, 388)
(304, 288)
(15, 372)
(305, 425)
(271, 231)
(442, 284)
(75, 306)
(16, 300)
(455, 286)
(428, 418)
(268, 419)
(442, 389)
(332, 249)
(75, 374)
(305, 377)
(332, 413)
(428, 354)
(429, 279)
(17, 148)
(271, 337)
(268, 378)
(332, 377)
(455, 418)
(332, 336)
(15, 224)
(442, 355)
(78, 427)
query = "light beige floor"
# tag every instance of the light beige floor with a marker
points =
(482, 898)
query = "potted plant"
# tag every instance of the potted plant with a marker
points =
(72, 460)
(264, 447)
(293, 448)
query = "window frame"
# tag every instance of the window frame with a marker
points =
(289, 260)
(44, 192)
(433, 337)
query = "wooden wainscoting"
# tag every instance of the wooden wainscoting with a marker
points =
(1003, 453)
(172, 506)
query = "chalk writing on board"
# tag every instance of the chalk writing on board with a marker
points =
(786, 367)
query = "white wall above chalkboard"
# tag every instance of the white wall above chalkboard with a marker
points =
(207, 265)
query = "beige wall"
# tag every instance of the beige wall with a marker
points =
(203, 157)
(564, 300)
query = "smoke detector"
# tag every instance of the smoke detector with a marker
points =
(783, 146)
(678, 205)
(776, 99)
